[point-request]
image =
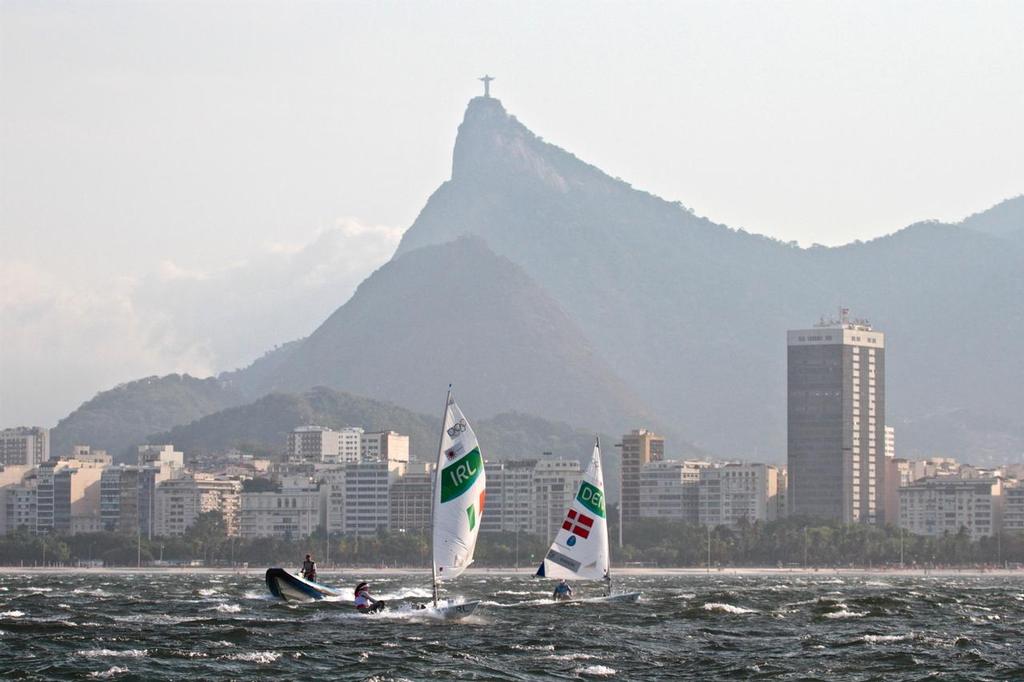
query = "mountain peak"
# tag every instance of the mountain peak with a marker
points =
(493, 146)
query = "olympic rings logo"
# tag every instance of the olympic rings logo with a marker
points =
(457, 428)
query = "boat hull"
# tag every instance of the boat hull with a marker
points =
(453, 611)
(622, 598)
(290, 587)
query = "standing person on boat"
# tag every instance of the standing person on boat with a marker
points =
(364, 602)
(562, 591)
(309, 569)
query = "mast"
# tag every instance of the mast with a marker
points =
(608, 571)
(433, 496)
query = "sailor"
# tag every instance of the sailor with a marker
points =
(364, 602)
(309, 569)
(562, 591)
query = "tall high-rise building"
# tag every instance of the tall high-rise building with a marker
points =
(836, 421)
(638, 448)
(24, 446)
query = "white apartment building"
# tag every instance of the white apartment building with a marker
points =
(409, 499)
(292, 511)
(313, 443)
(355, 497)
(1013, 508)
(729, 493)
(529, 496)
(945, 504)
(24, 446)
(17, 498)
(510, 503)
(68, 491)
(668, 490)
(180, 501)
(20, 507)
(385, 446)
(555, 483)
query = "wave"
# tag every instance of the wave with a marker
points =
(12, 614)
(845, 613)
(108, 673)
(113, 653)
(255, 657)
(726, 608)
(597, 671)
(226, 608)
(886, 639)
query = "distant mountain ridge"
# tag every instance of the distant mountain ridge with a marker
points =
(538, 283)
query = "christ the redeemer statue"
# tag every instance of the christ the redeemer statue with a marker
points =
(487, 85)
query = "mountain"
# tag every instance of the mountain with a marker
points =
(121, 418)
(264, 425)
(693, 315)
(1004, 220)
(454, 313)
(539, 284)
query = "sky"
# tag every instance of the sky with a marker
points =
(185, 185)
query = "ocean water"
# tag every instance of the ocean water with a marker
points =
(786, 627)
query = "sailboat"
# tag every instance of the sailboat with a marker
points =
(457, 505)
(580, 548)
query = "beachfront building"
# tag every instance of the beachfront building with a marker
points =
(180, 501)
(836, 421)
(668, 490)
(637, 448)
(731, 493)
(555, 482)
(409, 500)
(1013, 508)
(68, 491)
(947, 504)
(291, 509)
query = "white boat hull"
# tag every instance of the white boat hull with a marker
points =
(453, 611)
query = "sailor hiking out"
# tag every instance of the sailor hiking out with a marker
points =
(364, 602)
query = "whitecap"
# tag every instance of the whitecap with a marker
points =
(726, 608)
(113, 653)
(534, 647)
(226, 608)
(844, 613)
(255, 656)
(407, 593)
(886, 639)
(568, 657)
(108, 673)
(12, 614)
(597, 671)
(208, 592)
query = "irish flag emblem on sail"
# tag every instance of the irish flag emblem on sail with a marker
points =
(459, 492)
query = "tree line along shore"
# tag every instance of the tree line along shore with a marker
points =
(787, 543)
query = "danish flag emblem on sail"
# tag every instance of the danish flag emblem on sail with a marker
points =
(578, 524)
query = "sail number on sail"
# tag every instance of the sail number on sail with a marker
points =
(591, 497)
(459, 477)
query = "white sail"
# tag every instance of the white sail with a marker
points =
(580, 549)
(459, 487)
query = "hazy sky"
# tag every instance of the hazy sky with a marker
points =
(183, 185)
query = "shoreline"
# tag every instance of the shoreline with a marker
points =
(524, 572)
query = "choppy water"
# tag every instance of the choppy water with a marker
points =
(160, 626)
